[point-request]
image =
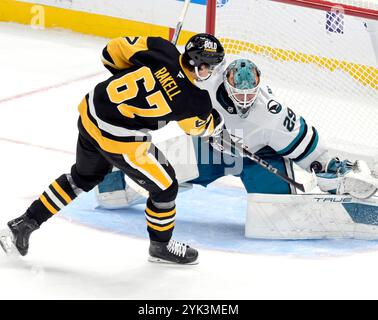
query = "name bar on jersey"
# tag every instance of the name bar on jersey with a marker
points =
(167, 82)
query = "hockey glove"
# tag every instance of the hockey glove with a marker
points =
(345, 177)
(220, 135)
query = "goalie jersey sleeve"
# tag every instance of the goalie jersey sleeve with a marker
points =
(288, 133)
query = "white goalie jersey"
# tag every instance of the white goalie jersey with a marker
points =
(269, 124)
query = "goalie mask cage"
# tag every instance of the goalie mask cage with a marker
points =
(320, 58)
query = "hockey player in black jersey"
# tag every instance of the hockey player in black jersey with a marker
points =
(152, 84)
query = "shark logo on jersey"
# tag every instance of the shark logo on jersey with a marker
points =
(274, 107)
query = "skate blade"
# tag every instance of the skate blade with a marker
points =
(162, 261)
(6, 243)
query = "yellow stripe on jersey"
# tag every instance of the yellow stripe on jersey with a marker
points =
(107, 144)
(170, 226)
(122, 49)
(61, 192)
(161, 215)
(196, 126)
(47, 204)
(151, 169)
(106, 62)
(188, 75)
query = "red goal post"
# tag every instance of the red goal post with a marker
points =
(320, 57)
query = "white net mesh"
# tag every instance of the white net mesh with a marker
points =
(367, 4)
(323, 64)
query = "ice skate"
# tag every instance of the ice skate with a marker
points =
(15, 240)
(172, 252)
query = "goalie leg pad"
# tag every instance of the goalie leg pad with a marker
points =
(311, 216)
(118, 191)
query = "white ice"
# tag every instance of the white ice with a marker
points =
(44, 75)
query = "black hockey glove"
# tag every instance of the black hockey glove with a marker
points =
(220, 134)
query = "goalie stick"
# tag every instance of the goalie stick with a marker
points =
(310, 185)
(180, 22)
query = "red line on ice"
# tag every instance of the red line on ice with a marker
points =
(37, 146)
(54, 86)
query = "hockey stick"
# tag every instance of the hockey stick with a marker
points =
(180, 22)
(243, 150)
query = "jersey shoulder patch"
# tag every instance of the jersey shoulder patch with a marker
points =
(274, 106)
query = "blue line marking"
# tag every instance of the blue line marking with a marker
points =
(204, 2)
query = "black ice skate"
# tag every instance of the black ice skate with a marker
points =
(172, 252)
(16, 240)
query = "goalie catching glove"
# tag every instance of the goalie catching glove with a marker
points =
(345, 177)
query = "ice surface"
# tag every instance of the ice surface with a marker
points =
(93, 255)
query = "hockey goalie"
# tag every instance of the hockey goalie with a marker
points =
(344, 205)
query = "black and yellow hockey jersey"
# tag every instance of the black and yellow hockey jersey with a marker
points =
(149, 88)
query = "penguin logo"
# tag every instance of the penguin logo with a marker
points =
(274, 107)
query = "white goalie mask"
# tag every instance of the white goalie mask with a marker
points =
(242, 82)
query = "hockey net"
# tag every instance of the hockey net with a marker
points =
(319, 58)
